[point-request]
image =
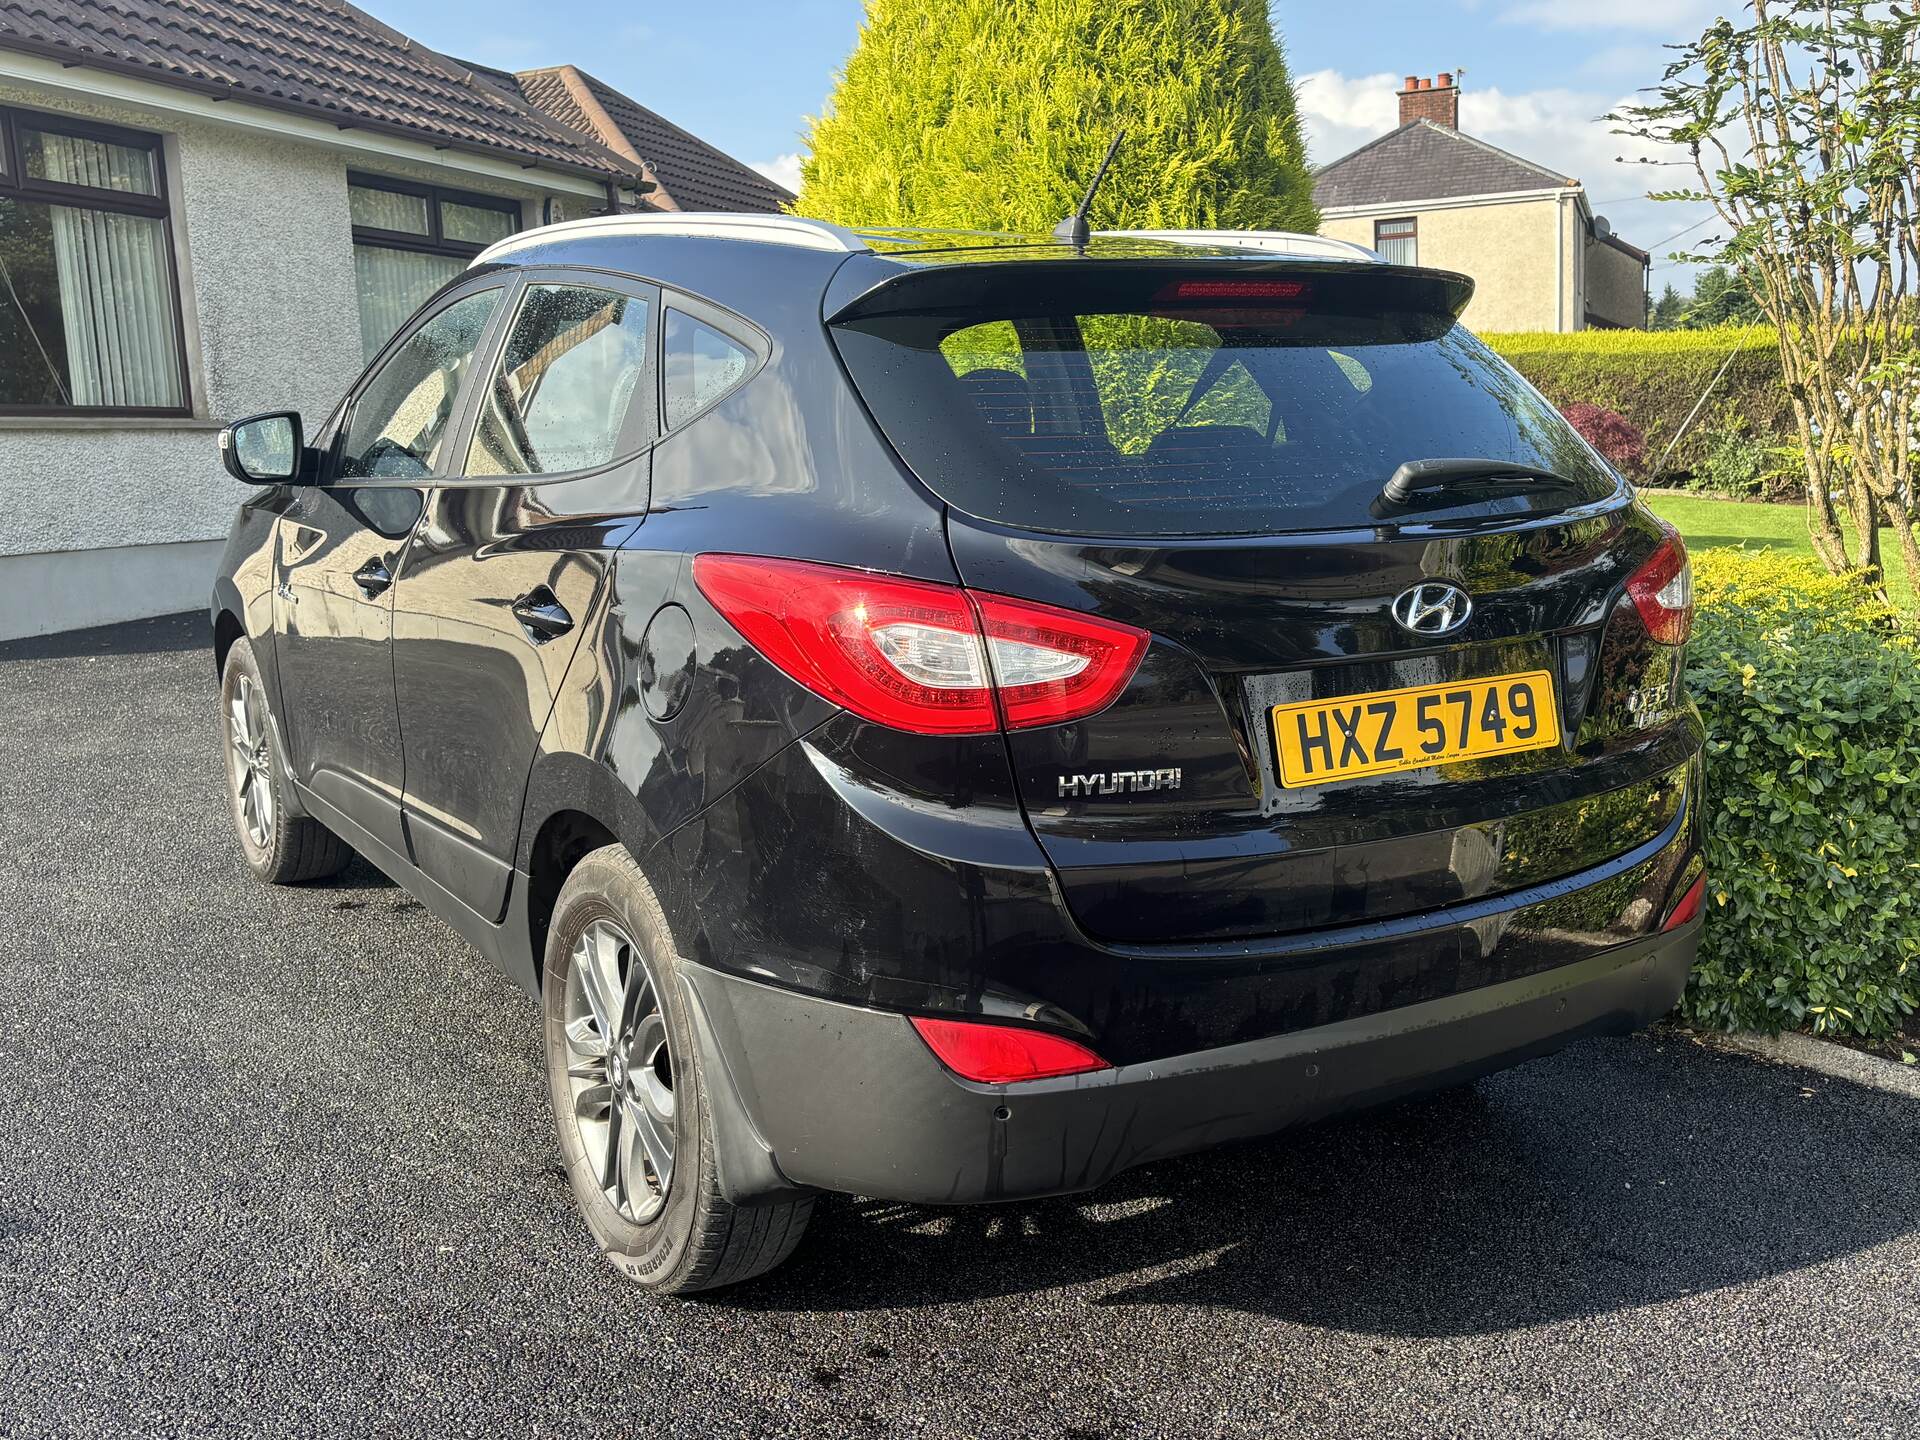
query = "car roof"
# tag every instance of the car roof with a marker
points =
(923, 246)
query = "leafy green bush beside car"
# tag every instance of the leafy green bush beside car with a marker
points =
(1811, 697)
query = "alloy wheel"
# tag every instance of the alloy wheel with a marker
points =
(620, 1071)
(250, 761)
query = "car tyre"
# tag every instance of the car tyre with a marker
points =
(630, 1096)
(282, 848)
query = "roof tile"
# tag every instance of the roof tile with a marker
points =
(1425, 161)
(314, 56)
(694, 175)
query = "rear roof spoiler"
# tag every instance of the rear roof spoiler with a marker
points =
(1289, 243)
(1040, 281)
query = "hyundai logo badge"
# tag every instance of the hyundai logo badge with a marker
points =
(1432, 608)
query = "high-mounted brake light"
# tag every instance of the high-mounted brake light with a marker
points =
(1235, 290)
(1003, 1054)
(1662, 591)
(1688, 905)
(917, 656)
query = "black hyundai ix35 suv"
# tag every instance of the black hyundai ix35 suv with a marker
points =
(952, 717)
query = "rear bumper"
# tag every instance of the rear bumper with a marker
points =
(848, 1098)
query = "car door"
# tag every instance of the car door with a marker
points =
(340, 546)
(505, 568)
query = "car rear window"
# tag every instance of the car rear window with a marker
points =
(1204, 408)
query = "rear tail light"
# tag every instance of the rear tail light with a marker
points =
(1003, 1054)
(1662, 591)
(1688, 906)
(931, 659)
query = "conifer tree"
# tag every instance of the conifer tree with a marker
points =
(993, 115)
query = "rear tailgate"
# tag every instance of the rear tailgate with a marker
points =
(1198, 450)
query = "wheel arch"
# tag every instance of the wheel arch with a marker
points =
(229, 621)
(562, 840)
(226, 629)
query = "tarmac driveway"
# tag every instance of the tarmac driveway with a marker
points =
(279, 1162)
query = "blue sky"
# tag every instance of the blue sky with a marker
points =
(746, 74)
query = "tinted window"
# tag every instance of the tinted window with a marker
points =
(701, 365)
(1203, 419)
(563, 397)
(400, 418)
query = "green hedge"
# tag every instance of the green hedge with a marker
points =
(1812, 704)
(1654, 377)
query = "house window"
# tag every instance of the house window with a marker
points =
(409, 240)
(1396, 242)
(89, 311)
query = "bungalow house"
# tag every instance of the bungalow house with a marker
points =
(1426, 193)
(215, 207)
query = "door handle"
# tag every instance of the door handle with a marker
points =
(373, 578)
(541, 615)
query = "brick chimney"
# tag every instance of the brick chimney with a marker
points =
(1437, 100)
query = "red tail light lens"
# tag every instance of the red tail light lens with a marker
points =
(1003, 1054)
(1688, 906)
(931, 659)
(1662, 591)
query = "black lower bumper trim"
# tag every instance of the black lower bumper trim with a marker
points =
(849, 1099)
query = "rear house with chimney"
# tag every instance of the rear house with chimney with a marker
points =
(210, 208)
(1428, 194)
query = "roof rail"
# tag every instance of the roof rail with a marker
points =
(1267, 242)
(768, 229)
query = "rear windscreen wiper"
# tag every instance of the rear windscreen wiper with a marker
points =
(1418, 475)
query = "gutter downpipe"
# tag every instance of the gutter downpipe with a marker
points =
(1560, 263)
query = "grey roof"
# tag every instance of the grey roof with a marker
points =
(1425, 161)
(690, 174)
(315, 57)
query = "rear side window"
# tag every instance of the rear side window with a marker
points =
(700, 366)
(1203, 413)
(563, 396)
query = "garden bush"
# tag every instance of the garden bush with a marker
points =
(1612, 434)
(1811, 697)
(1736, 462)
(1654, 378)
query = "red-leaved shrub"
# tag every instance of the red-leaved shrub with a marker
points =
(1612, 434)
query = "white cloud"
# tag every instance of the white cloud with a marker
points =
(782, 170)
(1561, 129)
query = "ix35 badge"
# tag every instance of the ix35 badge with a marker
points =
(1118, 782)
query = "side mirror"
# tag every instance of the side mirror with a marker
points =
(264, 449)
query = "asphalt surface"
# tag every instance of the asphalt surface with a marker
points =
(279, 1162)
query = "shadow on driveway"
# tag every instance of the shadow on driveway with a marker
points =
(1620, 1175)
(167, 634)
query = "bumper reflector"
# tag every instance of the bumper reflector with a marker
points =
(1003, 1054)
(1688, 905)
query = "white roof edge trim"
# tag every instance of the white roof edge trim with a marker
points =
(768, 229)
(1267, 242)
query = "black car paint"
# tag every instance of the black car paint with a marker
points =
(802, 849)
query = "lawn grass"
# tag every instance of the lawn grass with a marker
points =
(1705, 523)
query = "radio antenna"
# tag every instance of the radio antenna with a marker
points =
(1074, 229)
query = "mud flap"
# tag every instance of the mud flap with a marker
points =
(749, 1174)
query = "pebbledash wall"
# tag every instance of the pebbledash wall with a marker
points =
(1507, 243)
(107, 519)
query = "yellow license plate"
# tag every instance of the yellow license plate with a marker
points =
(1388, 730)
